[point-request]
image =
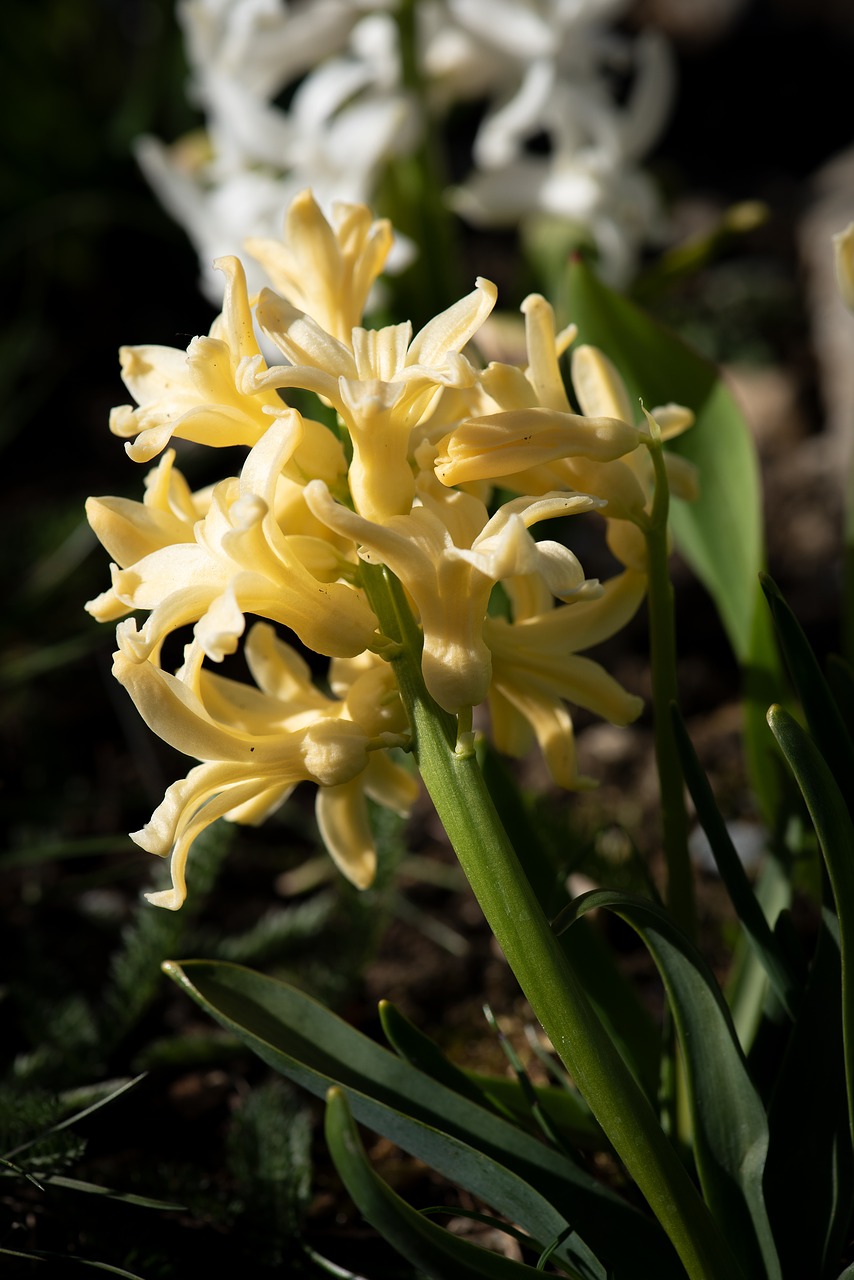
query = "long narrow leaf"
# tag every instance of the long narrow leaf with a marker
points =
(420, 1052)
(835, 832)
(721, 533)
(312, 1047)
(826, 724)
(121, 1088)
(731, 869)
(809, 1179)
(433, 1250)
(747, 986)
(566, 1111)
(126, 1197)
(67, 1259)
(729, 1123)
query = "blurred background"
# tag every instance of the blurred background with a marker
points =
(90, 261)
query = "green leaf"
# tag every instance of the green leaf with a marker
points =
(835, 832)
(746, 987)
(434, 1251)
(809, 1176)
(566, 1110)
(311, 1046)
(840, 677)
(420, 1052)
(731, 869)
(720, 535)
(126, 1197)
(121, 1087)
(826, 724)
(729, 1123)
(43, 1255)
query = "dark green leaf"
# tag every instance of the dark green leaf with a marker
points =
(732, 871)
(121, 1088)
(835, 832)
(567, 1111)
(729, 1123)
(809, 1178)
(42, 1255)
(126, 1197)
(311, 1046)
(434, 1251)
(420, 1052)
(826, 724)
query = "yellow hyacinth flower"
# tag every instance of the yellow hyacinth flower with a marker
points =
(236, 560)
(534, 442)
(382, 382)
(600, 389)
(326, 269)
(537, 669)
(257, 744)
(449, 555)
(192, 394)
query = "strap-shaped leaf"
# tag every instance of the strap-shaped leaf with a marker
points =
(835, 832)
(566, 1111)
(434, 1251)
(298, 1037)
(422, 1053)
(729, 1122)
(809, 1178)
(826, 724)
(731, 869)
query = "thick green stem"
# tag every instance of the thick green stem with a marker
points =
(662, 634)
(552, 987)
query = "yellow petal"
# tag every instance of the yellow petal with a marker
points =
(342, 819)
(600, 390)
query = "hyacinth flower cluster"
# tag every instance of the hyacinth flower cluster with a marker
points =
(419, 460)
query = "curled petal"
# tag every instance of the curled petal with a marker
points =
(342, 819)
(326, 269)
(194, 394)
(501, 444)
(450, 331)
(600, 390)
(188, 808)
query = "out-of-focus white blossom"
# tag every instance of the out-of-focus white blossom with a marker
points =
(556, 138)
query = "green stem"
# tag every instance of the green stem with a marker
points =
(662, 633)
(552, 987)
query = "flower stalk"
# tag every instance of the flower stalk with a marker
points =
(554, 991)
